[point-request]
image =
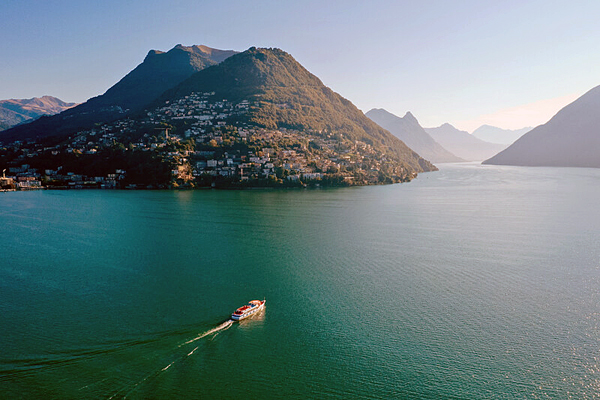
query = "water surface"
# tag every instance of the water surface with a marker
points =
(471, 282)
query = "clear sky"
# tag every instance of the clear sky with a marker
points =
(507, 63)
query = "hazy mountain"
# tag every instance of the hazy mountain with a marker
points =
(570, 139)
(158, 72)
(288, 96)
(494, 134)
(18, 111)
(463, 144)
(410, 132)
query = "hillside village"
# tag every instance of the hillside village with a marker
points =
(195, 141)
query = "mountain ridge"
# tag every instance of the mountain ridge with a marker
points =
(409, 130)
(18, 111)
(493, 134)
(464, 144)
(158, 72)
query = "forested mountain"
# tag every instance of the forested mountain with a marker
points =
(285, 94)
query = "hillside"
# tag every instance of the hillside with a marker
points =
(493, 134)
(258, 119)
(410, 132)
(286, 95)
(570, 139)
(18, 111)
(463, 144)
(158, 72)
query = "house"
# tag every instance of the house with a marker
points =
(269, 152)
(201, 164)
(29, 184)
(312, 175)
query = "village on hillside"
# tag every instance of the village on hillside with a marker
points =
(193, 142)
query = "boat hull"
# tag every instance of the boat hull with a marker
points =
(249, 312)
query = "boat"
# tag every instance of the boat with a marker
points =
(247, 310)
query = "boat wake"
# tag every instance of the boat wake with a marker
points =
(126, 391)
(221, 327)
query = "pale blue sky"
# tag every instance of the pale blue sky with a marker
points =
(463, 62)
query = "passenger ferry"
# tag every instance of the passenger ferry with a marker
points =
(249, 309)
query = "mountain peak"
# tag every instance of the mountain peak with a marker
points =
(383, 113)
(153, 53)
(249, 73)
(463, 144)
(412, 134)
(410, 117)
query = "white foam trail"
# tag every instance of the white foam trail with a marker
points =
(192, 352)
(221, 327)
(224, 325)
(168, 366)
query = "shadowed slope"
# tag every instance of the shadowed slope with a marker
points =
(570, 139)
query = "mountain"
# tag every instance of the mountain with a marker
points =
(463, 144)
(18, 111)
(410, 132)
(158, 72)
(258, 118)
(570, 139)
(286, 95)
(494, 134)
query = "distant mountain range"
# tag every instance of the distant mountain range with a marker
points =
(464, 144)
(494, 134)
(570, 139)
(410, 132)
(17, 111)
(158, 72)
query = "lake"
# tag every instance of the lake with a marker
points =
(471, 282)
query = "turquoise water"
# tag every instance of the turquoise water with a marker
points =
(471, 282)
